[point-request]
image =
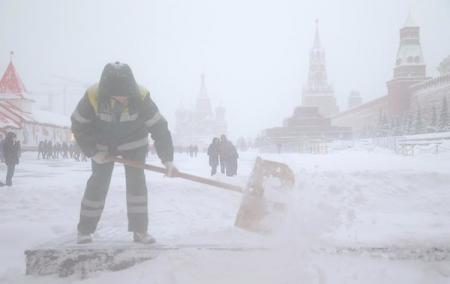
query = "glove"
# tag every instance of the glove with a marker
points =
(102, 158)
(171, 170)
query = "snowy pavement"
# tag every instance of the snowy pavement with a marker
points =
(351, 198)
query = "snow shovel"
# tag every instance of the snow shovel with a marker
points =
(259, 211)
(255, 211)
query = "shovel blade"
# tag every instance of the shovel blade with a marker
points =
(259, 215)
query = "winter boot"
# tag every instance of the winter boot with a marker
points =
(143, 238)
(84, 238)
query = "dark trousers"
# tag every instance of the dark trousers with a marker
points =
(222, 165)
(231, 167)
(213, 169)
(97, 187)
(10, 173)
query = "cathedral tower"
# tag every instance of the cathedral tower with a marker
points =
(203, 104)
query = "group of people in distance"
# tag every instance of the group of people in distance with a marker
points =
(222, 151)
(192, 151)
(49, 150)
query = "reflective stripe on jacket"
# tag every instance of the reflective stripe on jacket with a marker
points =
(100, 124)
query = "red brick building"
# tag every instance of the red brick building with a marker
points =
(408, 91)
(18, 115)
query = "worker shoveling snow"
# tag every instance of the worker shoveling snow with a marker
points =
(256, 213)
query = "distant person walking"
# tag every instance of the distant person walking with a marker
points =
(2, 141)
(65, 150)
(231, 159)
(213, 153)
(48, 150)
(191, 151)
(222, 153)
(195, 151)
(40, 150)
(11, 153)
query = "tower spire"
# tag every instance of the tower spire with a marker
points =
(203, 92)
(317, 74)
(203, 104)
(409, 20)
(317, 37)
(11, 55)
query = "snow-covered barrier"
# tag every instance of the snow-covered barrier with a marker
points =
(434, 143)
(426, 254)
(82, 260)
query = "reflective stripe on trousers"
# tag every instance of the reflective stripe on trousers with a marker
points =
(97, 189)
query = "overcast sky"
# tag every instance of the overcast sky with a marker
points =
(254, 53)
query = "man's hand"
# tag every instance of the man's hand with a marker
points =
(102, 158)
(171, 170)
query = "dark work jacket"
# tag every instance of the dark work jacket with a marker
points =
(227, 151)
(232, 151)
(11, 152)
(100, 125)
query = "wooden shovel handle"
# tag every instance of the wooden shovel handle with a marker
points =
(179, 174)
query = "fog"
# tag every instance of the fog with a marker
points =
(358, 197)
(254, 53)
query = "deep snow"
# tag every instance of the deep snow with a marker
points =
(352, 197)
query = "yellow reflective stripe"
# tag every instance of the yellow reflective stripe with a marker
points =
(143, 91)
(92, 92)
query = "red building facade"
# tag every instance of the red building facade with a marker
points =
(408, 83)
(17, 114)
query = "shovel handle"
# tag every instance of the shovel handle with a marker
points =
(179, 174)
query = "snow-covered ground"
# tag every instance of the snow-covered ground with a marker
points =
(351, 198)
